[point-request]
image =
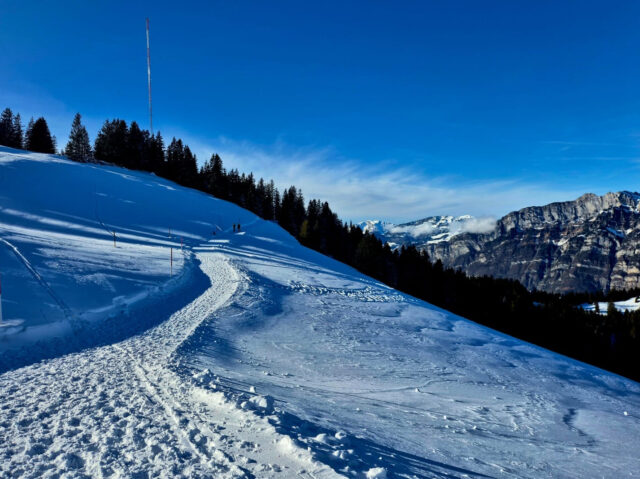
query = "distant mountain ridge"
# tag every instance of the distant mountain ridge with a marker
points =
(588, 244)
(430, 230)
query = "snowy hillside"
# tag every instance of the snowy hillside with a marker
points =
(260, 358)
(433, 229)
(631, 304)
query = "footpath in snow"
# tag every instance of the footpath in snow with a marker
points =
(257, 358)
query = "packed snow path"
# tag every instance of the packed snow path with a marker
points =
(123, 411)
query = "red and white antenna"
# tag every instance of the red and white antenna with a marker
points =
(149, 78)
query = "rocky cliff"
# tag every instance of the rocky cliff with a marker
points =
(590, 244)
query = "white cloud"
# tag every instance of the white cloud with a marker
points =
(483, 224)
(357, 191)
(416, 231)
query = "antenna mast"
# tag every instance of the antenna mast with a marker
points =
(149, 78)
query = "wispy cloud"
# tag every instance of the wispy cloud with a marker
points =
(416, 231)
(359, 191)
(477, 225)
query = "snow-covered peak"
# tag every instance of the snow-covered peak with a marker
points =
(433, 229)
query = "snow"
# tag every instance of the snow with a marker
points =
(434, 229)
(631, 304)
(377, 473)
(260, 358)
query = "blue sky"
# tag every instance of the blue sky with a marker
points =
(392, 110)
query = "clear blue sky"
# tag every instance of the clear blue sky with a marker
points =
(393, 110)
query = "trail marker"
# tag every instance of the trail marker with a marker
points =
(0, 302)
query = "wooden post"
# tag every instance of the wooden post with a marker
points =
(171, 270)
(0, 303)
(114, 239)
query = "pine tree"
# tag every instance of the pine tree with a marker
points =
(156, 154)
(137, 145)
(39, 137)
(175, 157)
(78, 148)
(111, 143)
(213, 177)
(17, 137)
(6, 127)
(189, 169)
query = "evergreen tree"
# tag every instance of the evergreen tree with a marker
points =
(213, 177)
(6, 127)
(189, 169)
(156, 154)
(270, 201)
(39, 137)
(17, 136)
(111, 143)
(137, 146)
(175, 158)
(78, 148)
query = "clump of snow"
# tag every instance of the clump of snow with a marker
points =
(377, 473)
(205, 376)
(261, 403)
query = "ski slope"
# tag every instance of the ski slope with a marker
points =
(257, 357)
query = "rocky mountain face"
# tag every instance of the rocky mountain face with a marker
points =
(590, 244)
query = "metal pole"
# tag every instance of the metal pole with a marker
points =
(149, 78)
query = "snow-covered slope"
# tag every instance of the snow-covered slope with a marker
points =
(60, 269)
(433, 229)
(631, 304)
(264, 359)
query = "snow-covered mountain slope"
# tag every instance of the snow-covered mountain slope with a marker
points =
(266, 359)
(60, 269)
(433, 229)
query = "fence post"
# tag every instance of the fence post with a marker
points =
(0, 302)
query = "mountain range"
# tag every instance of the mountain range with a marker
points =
(430, 230)
(585, 245)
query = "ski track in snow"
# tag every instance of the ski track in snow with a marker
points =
(124, 410)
